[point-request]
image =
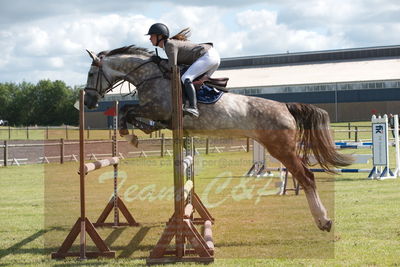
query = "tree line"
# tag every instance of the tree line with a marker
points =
(46, 103)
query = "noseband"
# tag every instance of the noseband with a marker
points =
(99, 80)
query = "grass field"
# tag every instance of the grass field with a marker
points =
(254, 227)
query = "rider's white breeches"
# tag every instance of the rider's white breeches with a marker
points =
(208, 63)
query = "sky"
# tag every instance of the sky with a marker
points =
(47, 39)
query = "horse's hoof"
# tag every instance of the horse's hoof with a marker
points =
(135, 143)
(123, 132)
(327, 227)
(132, 139)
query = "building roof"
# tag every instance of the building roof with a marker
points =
(312, 73)
(343, 65)
(369, 53)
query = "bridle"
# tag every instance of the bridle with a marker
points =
(111, 86)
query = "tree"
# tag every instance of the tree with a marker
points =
(6, 98)
(46, 103)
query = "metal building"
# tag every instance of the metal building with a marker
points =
(351, 84)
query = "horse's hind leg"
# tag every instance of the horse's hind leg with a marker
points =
(317, 208)
(305, 177)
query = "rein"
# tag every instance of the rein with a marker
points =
(124, 79)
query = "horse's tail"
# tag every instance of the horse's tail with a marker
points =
(314, 136)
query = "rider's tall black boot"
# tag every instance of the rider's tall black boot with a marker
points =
(190, 92)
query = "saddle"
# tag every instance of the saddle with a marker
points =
(204, 79)
(208, 90)
(219, 83)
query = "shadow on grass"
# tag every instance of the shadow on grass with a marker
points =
(135, 242)
(113, 236)
(16, 249)
(97, 263)
(339, 179)
(84, 263)
(127, 251)
(133, 245)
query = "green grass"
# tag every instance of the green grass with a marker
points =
(253, 226)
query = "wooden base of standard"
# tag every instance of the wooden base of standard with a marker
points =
(183, 230)
(77, 229)
(201, 211)
(130, 221)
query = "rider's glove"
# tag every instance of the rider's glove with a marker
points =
(156, 59)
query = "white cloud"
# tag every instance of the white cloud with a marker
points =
(207, 26)
(49, 40)
(264, 33)
(71, 46)
(56, 62)
(33, 41)
(257, 20)
(358, 22)
(6, 46)
(60, 47)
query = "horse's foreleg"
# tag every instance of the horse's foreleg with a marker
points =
(124, 132)
(123, 126)
(130, 113)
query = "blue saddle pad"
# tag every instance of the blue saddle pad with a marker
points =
(208, 95)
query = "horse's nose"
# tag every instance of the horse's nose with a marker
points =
(87, 102)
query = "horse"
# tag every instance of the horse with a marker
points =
(290, 132)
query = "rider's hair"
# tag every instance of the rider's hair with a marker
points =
(183, 35)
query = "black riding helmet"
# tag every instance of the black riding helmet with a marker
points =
(159, 28)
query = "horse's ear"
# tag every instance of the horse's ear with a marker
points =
(93, 56)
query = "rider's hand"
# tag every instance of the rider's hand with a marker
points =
(156, 59)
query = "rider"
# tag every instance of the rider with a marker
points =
(202, 58)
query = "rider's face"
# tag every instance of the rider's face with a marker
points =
(153, 39)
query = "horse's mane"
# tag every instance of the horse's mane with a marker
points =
(127, 50)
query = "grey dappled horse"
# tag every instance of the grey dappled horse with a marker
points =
(290, 132)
